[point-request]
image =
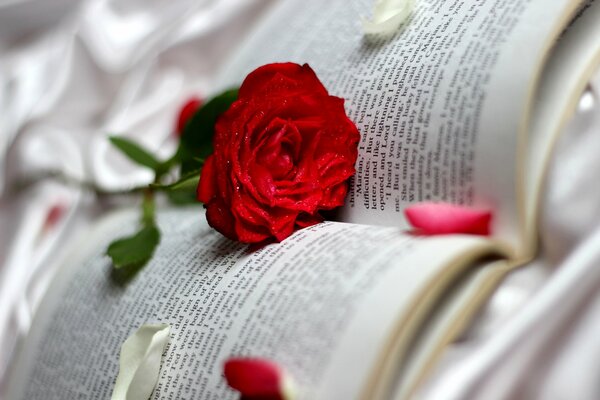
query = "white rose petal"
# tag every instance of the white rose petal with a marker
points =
(139, 365)
(388, 16)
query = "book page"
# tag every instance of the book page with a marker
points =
(572, 63)
(454, 313)
(440, 105)
(323, 304)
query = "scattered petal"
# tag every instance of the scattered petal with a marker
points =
(54, 215)
(186, 112)
(258, 379)
(388, 16)
(139, 365)
(444, 218)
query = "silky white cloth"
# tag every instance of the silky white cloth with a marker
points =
(72, 72)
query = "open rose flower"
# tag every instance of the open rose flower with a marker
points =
(283, 151)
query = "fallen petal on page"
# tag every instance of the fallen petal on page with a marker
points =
(258, 379)
(443, 218)
(139, 364)
(388, 16)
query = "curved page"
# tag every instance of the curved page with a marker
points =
(322, 304)
(572, 63)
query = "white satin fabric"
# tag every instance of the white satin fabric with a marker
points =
(72, 72)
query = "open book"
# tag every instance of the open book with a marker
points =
(461, 105)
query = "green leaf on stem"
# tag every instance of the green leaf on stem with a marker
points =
(136, 153)
(187, 182)
(182, 192)
(131, 253)
(182, 198)
(197, 138)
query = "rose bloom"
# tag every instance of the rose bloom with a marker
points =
(283, 151)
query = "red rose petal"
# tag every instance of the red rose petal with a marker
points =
(443, 218)
(255, 378)
(219, 217)
(186, 112)
(274, 77)
(250, 233)
(262, 180)
(335, 196)
(305, 220)
(265, 397)
(207, 185)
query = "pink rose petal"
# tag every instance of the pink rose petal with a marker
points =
(444, 218)
(257, 379)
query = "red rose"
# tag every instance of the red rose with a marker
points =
(283, 151)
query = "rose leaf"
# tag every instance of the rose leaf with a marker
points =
(187, 182)
(131, 253)
(182, 198)
(183, 191)
(196, 140)
(136, 153)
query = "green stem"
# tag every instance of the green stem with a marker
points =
(166, 165)
(148, 208)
